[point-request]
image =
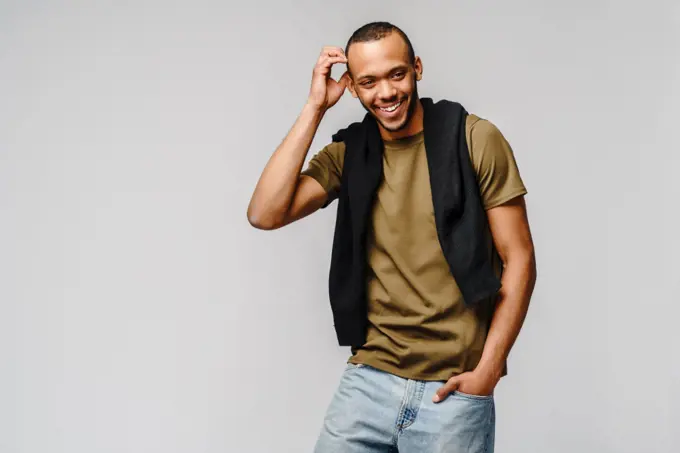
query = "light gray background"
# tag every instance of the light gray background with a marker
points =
(139, 312)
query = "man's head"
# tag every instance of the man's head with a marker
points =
(384, 71)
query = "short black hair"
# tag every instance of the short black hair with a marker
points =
(375, 31)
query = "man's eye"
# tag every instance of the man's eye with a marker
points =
(399, 74)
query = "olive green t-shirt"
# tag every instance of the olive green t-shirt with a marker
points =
(418, 324)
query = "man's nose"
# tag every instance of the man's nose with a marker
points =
(386, 91)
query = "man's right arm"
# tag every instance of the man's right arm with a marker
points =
(282, 194)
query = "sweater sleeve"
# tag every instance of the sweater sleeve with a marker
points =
(326, 168)
(494, 162)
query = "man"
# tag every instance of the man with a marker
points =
(427, 348)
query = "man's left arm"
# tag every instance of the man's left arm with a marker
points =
(502, 193)
(512, 237)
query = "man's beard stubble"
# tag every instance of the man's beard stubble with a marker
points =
(409, 112)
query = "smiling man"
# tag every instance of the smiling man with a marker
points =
(433, 263)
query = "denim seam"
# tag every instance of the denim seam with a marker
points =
(415, 404)
(402, 410)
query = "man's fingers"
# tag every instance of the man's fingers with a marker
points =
(333, 60)
(326, 61)
(443, 391)
(325, 64)
(332, 51)
(330, 56)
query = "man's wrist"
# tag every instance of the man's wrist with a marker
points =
(490, 371)
(314, 108)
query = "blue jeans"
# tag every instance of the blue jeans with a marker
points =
(377, 412)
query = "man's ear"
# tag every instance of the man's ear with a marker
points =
(351, 87)
(418, 67)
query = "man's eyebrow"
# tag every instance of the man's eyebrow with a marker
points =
(394, 69)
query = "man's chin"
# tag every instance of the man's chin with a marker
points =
(393, 127)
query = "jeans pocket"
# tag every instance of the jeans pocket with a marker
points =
(473, 397)
(353, 366)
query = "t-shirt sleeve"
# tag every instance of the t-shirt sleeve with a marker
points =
(326, 168)
(494, 162)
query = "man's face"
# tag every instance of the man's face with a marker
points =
(384, 80)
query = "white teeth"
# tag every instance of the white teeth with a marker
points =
(391, 109)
